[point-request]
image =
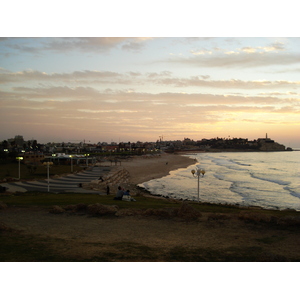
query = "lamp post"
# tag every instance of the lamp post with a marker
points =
(198, 173)
(86, 155)
(71, 163)
(19, 158)
(48, 164)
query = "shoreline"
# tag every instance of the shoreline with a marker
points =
(153, 167)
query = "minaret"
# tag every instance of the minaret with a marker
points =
(266, 136)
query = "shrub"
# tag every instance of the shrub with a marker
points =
(2, 205)
(254, 217)
(100, 209)
(188, 212)
(56, 210)
(218, 217)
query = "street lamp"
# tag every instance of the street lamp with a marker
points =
(198, 173)
(87, 155)
(71, 163)
(48, 164)
(19, 158)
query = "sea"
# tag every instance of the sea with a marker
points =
(269, 180)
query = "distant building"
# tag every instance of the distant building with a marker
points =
(266, 144)
(33, 158)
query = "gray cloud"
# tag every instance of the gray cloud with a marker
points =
(163, 78)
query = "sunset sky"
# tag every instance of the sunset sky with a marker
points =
(129, 89)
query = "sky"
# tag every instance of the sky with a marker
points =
(120, 89)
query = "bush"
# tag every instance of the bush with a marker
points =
(100, 209)
(188, 212)
(159, 212)
(218, 217)
(56, 210)
(254, 217)
(2, 205)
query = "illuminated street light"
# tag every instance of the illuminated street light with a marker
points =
(87, 155)
(48, 164)
(71, 163)
(198, 173)
(19, 158)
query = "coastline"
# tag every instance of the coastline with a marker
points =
(142, 169)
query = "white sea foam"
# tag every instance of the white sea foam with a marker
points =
(267, 179)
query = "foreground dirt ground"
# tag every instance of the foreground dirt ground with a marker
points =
(80, 237)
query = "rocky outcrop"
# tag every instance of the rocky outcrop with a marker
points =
(271, 146)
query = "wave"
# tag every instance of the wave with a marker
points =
(293, 193)
(277, 181)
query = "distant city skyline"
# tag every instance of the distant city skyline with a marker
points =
(130, 89)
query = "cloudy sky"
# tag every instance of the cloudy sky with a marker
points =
(104, 89)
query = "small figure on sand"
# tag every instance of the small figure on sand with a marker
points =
(107, 190)
(119, 194)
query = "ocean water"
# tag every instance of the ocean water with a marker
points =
(266, 179)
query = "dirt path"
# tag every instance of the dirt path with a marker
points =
(140, 238)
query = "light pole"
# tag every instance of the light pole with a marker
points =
(47, 165)
(19, 158)
(198, 173)
(71, 163)
(87, 155)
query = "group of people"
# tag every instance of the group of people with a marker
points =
(123, 195)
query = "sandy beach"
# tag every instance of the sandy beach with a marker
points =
(142, 169)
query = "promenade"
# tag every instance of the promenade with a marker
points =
(65, 184)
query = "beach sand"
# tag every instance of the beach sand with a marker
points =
(142, 169)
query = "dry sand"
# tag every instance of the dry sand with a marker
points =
(142, 169)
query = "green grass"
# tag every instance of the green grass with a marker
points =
(50, 199)
(143, 202)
